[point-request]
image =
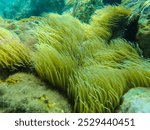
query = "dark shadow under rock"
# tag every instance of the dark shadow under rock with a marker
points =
(111, 2)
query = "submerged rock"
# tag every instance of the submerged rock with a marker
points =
(83, 9)
(23, 92)
(25, 29)
(136, 100)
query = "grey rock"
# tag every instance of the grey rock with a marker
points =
(24, 92)
(136, 100)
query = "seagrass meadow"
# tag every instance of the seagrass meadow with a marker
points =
(58, 63)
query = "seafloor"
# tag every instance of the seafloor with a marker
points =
(82, 56)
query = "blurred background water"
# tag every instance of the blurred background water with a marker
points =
(17, 9)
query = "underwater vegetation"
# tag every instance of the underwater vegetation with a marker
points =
(13, 54)
(101, 69)
(107, 21)
(90, 64)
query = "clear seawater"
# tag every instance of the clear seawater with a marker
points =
(17, 9)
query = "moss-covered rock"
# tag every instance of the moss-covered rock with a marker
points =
(23, 92)
(25, 29)
(136, 100)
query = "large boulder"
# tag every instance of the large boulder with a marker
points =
(83, 9)
(24, 92)
(136, 100)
